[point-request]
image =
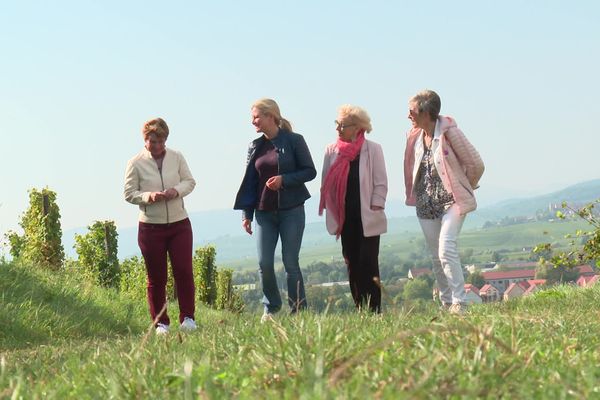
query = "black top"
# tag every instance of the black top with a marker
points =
(353, 192)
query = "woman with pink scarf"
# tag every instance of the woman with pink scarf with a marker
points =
(353, 191)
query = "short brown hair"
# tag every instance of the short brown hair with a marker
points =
(156, 126)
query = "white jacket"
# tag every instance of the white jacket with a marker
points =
(143, 177)
(373, 187)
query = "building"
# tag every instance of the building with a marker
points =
(414, 273)
(501, 280)
(587, 281)
(489, 293)
(534, 286)
(472, 294)
(515, 289)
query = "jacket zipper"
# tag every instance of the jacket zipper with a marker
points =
(278, 191)
(162, 183)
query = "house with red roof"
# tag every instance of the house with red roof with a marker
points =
(587, 281)
(515, 289)
(501, 280)
(489, 293)
(472, 294)
(586, 270)
(534, 286)
(414, 273)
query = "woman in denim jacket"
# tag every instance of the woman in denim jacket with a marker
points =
(273, 189)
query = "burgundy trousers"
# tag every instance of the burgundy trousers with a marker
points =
(361, 255)
(156, 241)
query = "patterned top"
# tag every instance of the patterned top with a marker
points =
(432, 198)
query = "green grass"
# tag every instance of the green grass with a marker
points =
(79, 342)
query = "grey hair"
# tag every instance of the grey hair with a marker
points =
(429, 102)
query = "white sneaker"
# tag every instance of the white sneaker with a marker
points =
(458, 309)
(162, 329)
(266, 317)
(188, 324)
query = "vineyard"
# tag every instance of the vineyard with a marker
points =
(97, 262)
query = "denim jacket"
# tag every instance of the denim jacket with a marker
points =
(295, 165)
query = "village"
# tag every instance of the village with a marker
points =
(509, 280)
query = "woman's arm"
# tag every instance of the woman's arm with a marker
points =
(379, 176)
(132, 191)
(187, 182)
(467, 156)
(305, 168)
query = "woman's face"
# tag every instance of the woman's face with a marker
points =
(346, 129)
(417, 119)
(262, 121)
(155, 145)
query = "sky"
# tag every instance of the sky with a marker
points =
(80, 77)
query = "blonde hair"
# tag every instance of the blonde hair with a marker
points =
(156, 126)
(270, 107)
(356, 115)
(427, 101)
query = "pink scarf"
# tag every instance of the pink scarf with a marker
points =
(333, 191)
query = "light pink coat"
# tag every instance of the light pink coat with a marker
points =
(373, 187)
(457, 162)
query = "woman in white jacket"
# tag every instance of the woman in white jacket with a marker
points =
(353, 191)
(156, 180)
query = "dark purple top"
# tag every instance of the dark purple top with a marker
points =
(267, 166)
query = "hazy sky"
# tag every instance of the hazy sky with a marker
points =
(79, 78)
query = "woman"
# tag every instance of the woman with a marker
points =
(441, 171)
(157, 179)
(353, 191)
(277, 167)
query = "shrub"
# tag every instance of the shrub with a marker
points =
(40, 243)
(205, 274)
(97, 251)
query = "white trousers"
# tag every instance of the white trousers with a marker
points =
(441, 235)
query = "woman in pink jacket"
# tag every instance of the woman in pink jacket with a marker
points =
(354, 190)
(441, 171)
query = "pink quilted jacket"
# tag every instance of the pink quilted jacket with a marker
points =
(457, 162)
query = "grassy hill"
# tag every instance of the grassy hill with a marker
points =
(62, 339)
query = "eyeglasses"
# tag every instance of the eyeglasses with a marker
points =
(341, 126)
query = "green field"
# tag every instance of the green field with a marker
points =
(510, 239)
(64, 339)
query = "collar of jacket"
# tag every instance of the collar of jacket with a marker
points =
(148, 155)
(256, 143)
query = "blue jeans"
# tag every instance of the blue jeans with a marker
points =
(289, 224)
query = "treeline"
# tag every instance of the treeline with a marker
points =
(391, 269)
(40, 246)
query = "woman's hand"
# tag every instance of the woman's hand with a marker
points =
(157, 196)
(376, 208)
(171, 194)
(247, 225)
(274, 183)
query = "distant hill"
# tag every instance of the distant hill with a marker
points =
(223, 227)
(580, 193)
